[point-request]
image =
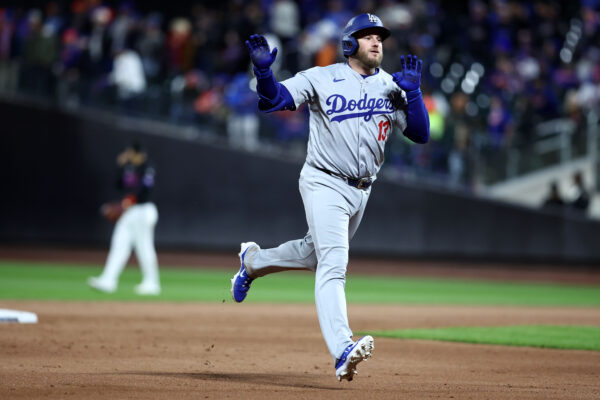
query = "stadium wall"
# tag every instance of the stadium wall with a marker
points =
(59, 167)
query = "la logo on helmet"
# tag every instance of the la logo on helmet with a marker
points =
(372, 18)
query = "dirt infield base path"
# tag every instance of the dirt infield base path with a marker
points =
(250, 351)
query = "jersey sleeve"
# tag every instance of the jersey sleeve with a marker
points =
(417, 118)
(301, 87)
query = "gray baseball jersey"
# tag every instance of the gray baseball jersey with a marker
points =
(351, 117)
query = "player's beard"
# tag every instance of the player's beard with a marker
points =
(363, 55)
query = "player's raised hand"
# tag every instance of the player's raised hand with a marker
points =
(261, 56)
(409, 76)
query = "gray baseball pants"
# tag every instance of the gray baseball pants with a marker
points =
(333, 210)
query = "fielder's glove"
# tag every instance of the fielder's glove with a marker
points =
(112, 211)
(261, 56)
(409, 76)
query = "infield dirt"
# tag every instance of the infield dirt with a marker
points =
(261, 351)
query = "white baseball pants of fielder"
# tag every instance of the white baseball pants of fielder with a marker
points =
(134, 229)
(333, 210)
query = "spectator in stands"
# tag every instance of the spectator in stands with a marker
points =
(499, 123)
(233, 58)
(185, 90)
(209, 105)
(208, 36)
(123, 27)
(98, 48)
(457, 138)
(150, 46)
(554, 200)
(578, 195)
(588, 94)
(243, 122)
(285, 23)
(180, 47)
(40, 53)
(73, 61)
(128, 77)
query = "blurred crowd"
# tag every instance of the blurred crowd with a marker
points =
(493, 70)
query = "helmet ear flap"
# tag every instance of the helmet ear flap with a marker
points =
(349, 45)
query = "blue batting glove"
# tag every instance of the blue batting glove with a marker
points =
(409, 76)
(261, 56)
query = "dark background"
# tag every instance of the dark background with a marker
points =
(58, 168)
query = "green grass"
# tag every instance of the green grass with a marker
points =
(52, 281)
(547, 336)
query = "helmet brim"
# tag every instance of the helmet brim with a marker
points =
(384, 33)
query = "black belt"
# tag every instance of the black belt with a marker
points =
(359, 183)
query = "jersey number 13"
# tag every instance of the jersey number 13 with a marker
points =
(384, 126)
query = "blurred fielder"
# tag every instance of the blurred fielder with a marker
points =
(135, 217)
(354, 106)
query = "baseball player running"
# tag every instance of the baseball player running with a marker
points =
(353, 108)
(134, 227)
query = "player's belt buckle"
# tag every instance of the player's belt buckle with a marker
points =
(362, 183)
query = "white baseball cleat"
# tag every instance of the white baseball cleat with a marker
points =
(147, 289)
(101, 285)
(345, 367)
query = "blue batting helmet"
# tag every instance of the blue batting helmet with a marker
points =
(357, 24)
